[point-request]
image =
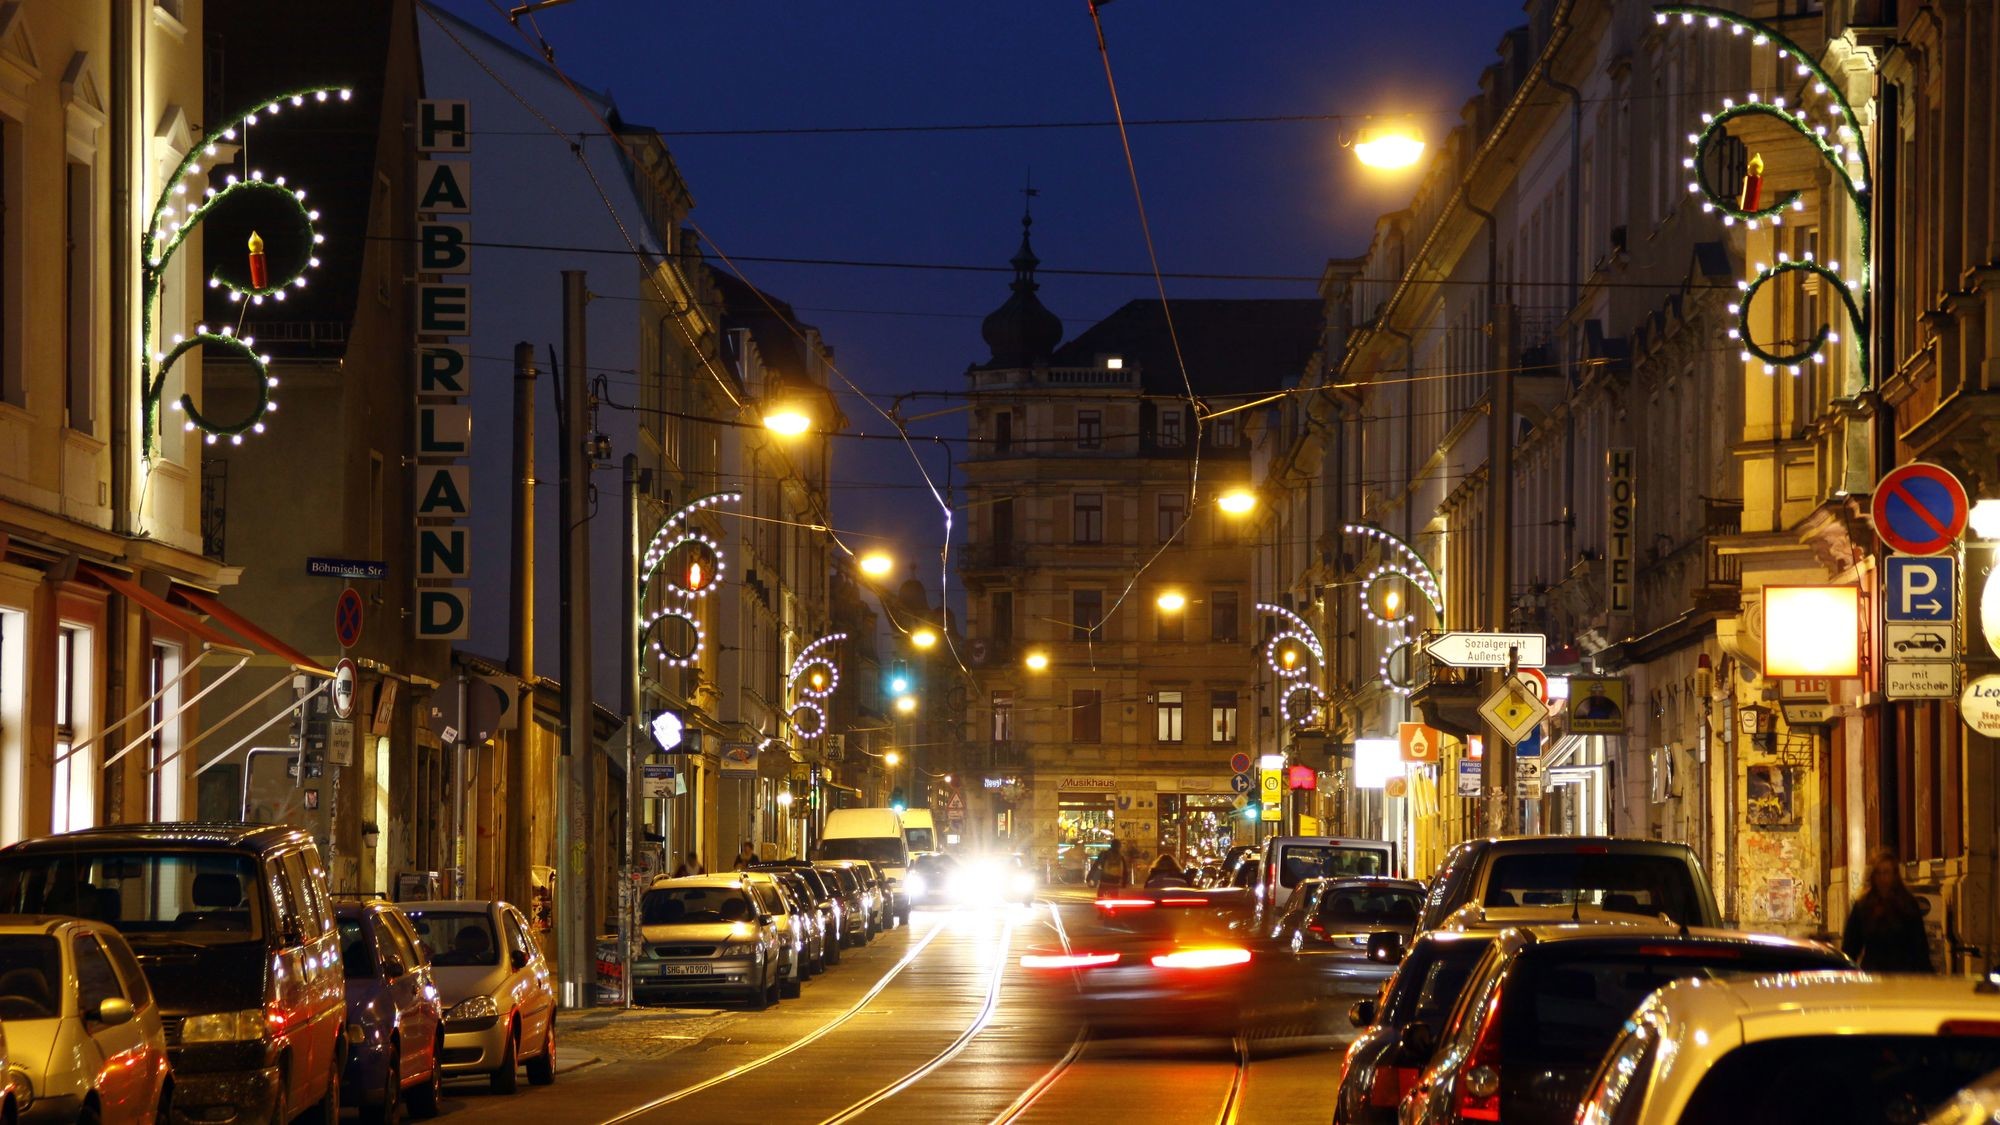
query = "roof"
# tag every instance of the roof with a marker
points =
(1864, 1001)
(777, 335)
(1232, 346)
(732, 879)
(181, 835)
(1654, 931)
(1365, 881)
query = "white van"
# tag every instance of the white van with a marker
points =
(875, 835)
(920, 832)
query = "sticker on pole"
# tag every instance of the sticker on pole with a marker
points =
(1919, 509)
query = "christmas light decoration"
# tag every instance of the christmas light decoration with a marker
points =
(813, 677)
(699, 579)
(167, 230)
(1405, 563)
(1847, 156)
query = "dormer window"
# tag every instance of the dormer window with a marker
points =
(1114, 363)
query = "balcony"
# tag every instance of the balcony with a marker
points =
(1067, 378)
(1006, 755)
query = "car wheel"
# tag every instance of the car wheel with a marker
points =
(833, 949)
(424, 1099)
(90, 1115)
(327, 1110)
(392, 1096)
(505, 1078)
(774, 989)
(790, 987)
(542, 1068)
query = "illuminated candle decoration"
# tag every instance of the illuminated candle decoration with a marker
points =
(1398, 613)
(1753, 184)
(1828, 124)
(699, 578)
(187, 196)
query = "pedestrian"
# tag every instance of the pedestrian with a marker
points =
(1113, 869)
(1885, 930)
(747, 856)
(690, 866)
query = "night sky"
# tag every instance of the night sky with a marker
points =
(1265, 198)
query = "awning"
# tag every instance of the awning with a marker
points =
(161, 608)
(244, 627)
(831, 784)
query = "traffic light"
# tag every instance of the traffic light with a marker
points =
(900, 680)
(897, 801)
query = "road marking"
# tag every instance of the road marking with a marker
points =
(946, 1055)
(1234, 1100)
(794, 1045)
(1042, 1084)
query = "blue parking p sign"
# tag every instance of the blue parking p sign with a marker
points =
(1919, 589)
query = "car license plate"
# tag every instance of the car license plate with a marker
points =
(686, 971)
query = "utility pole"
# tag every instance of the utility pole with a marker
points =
(1502, 811)
(636, 482)
(521, 601)
(576, 934)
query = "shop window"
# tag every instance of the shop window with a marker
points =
(164, 767)
(1170, 713)
(73, 790)
(1086, 715)
(1222, 716)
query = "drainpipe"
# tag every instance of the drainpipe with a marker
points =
(1572, 375)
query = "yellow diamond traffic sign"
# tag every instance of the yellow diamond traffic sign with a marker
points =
(1514, 711)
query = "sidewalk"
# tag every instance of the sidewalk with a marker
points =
(611, 1034)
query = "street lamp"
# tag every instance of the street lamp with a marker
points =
(892, 758)
(1171, 601)
(876, 564)
(1237, 502)
(1388, 147)
(924, 637)
(787, 420)
(1037, 661)
(906, 704)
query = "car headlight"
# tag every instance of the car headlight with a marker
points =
(1024, 883)
(473, 1008)
(915, 885)
(224, 1027)
(24, 1088)
(736, 949)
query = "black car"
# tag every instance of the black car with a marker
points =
(832, 911)
(235, 928)
(1399, 1031)
(395, 1025)
(1348, 933)
(1649, 878)
(846, 886)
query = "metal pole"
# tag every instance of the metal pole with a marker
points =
(628, 659)
(521, 625)
(458, 880)
(1502, 813)
(576, 935)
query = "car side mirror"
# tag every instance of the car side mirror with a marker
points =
(1385, 948)
(1361, 1013)
(393, 968)
(114, 1010)
(765, 919)
(520, 959)
(1415, 1045)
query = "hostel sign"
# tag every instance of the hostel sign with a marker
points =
(444, 419)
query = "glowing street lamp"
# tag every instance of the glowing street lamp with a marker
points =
(784, 798)
(876, 564)
(1171, 601)
(1237, 502)
(891, 758)
(924, 637)
(906, 704)
(787, 421)
(1037, 661)
(1388, 147)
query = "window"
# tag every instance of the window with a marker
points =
(1086, 613)
(163, 797)
(1003, 432)
(1222, 716)
(1087, 517)
(1170, 428)
(78, 381)
(1086, 715)
(1003, 716)
(1169, 624)
(1172, 516)
(1222, 615)
(1089, 429)
(1001, 628)
(1170, 711)
(95, 980)
(1003, 528)
(1222, 432)
(73, 793)
(12, 384)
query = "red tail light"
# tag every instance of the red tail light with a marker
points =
(1988, 1028)
(1316, 928)
(1391, 1083)
(1123, 903)
(1477, 1091)
(1212, 958)
(1067, 960)
(1183, 902)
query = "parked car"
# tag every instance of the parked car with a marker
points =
(880, 893)
(857, 901)
(496, 988)
(1383, 1063)
(806, 920)
(1349, 934)
(1546, 1002)
(1645, 877)
(706, 934)
(794, 932)
(233, 926)
(395, 1022)
(85, 1041)
(832, 913)
(1288, 860)
(1841, 1046)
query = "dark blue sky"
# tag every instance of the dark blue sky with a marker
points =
(1251, 198)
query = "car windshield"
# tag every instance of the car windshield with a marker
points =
(1563, 1008)
(934, 864)
(843, 879)
(1312, 861)
(884, 850)
(1368, 906)
(457, 937)
(1631, 884)
(1810, 1079)
(693, 906)
(199, 897)
(30, 977)
(1429, 983)
(921, 839)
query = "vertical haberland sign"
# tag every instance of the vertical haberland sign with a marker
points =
(443, 314)
(1619, 529)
